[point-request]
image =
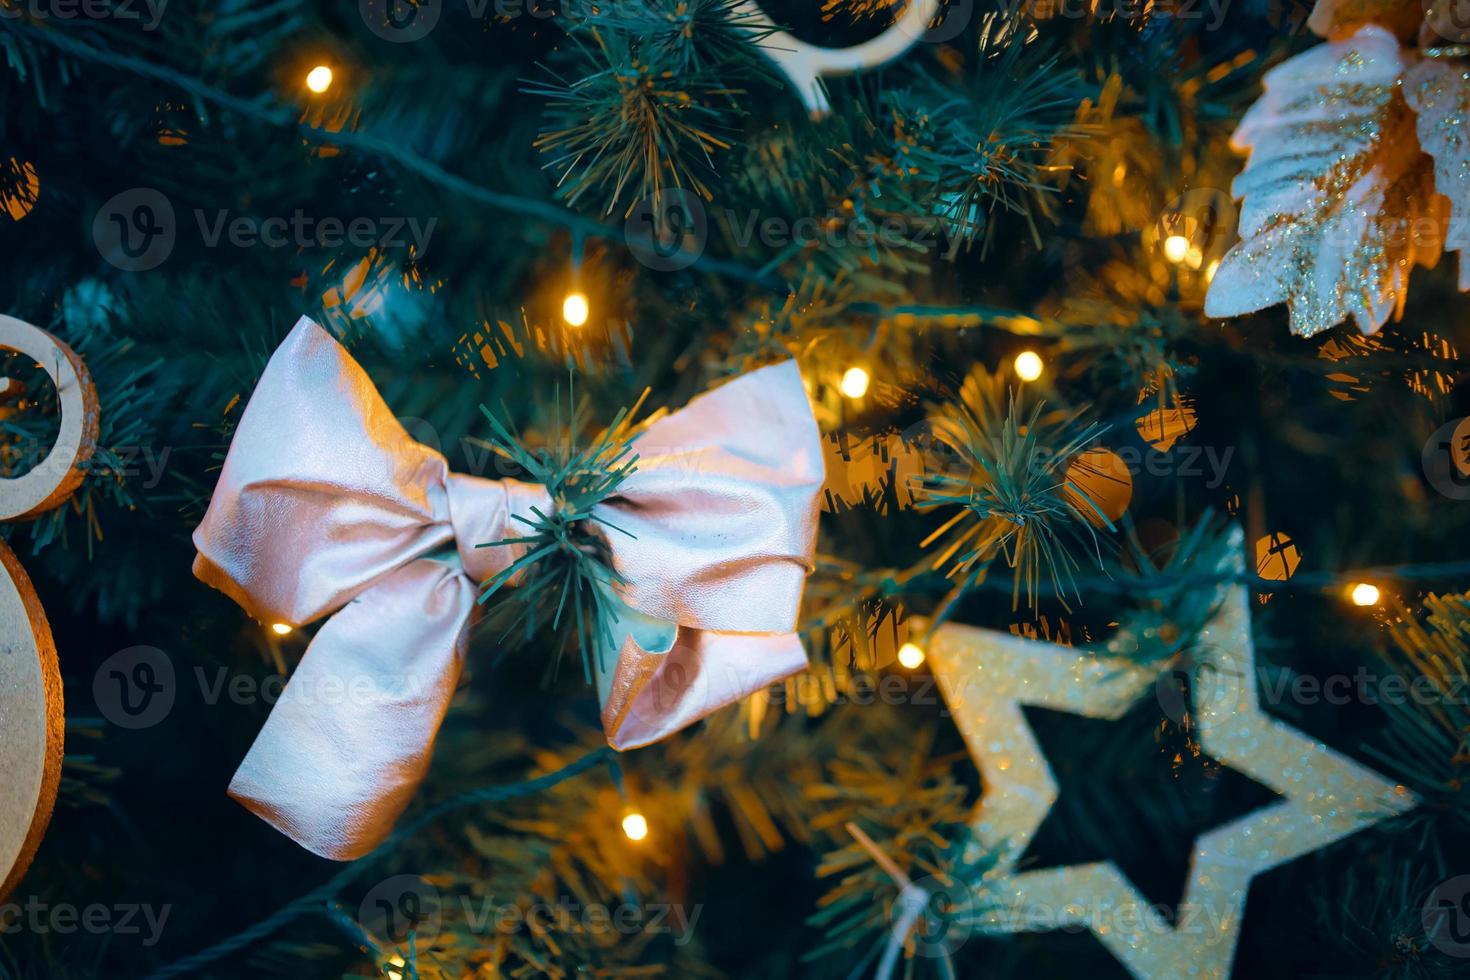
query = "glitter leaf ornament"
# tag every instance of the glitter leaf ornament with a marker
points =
(1338, 200)
(1439, 93)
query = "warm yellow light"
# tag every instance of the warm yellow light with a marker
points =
(1364, 594)
(911, 655)
(1211, 269)
(574, 309)
(1176, 247)
(1028, 365)
(855, 382)
(635, 826)
(319, 79)
(280, 629)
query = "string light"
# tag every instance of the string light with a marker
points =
(1176, 248)
(911, 656)
(855, 382)
(1364, 594)
(635, 826)
(1029, 365)
(575, 309)
(280, 629)
(319, 79)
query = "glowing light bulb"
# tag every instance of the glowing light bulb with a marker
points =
(911, 655)
(635, 826)
(574, 309)
(319, 79)
(1029, 365)
(855, 382)
(1364, 594)
(1176, 248)
(280, 629)
(1211, 269)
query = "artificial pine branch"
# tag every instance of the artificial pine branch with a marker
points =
(647, 103)
(564, 569)
(1427, 741)
(895, 822)
(1007, 478)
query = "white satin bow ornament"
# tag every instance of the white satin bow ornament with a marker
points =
(326, 507)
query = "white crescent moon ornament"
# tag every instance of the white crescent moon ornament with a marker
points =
(31, 718)
(807, 64)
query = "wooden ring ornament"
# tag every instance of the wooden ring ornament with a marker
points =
(807, 64)
(32, 723)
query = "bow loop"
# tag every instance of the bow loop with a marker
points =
(720, 514)
(322, 492)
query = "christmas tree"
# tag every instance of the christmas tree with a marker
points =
(705, 488)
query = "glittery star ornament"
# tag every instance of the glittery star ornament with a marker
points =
(1339, 203)
(987, 676)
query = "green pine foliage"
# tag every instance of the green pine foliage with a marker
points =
(1005, 185)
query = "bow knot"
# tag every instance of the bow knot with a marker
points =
(482, 512)
(327, 508)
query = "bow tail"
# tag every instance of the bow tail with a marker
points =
(349, 740)
(654, 692)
